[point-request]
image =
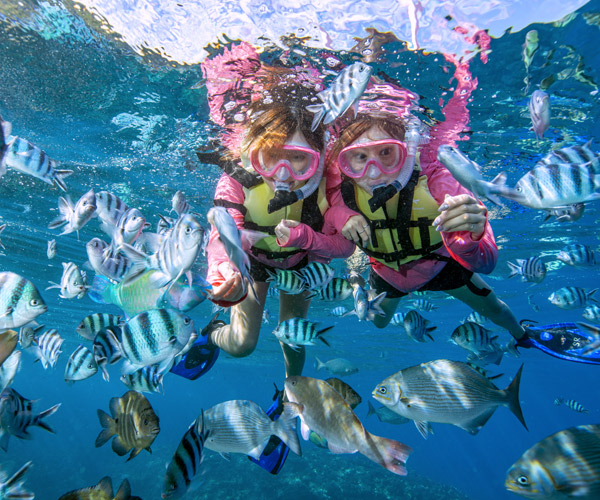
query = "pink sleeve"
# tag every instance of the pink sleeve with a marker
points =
(229, 192)
(338, 213)
(476, 255)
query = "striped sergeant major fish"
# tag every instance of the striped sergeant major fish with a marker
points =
(398, 319)
(423, 305)
(20, 301)
(339, 311)
(290, 282)
(2, 228)
(94, 323)
(17, 415)
(539, 111)
(51, 251)
(185, 464)
(468, 174)
(572, 297)
(572, 404)
(570, 213)
(577, 255)
(27, 335)
(297, 332)
(566, 461)
(20, 154)
(416, 327)
(48, 348)
(475, 317)
(107, 349)
(367, 304)
(155, 337)
(574, 155)
(147, 379)
(531, 269)
(179, 204)
(592, 313)
(336, 290)
(109, 208)
(114, 268)
(74, 217)
(344, 92)
(81, 365)
(476, 339)
(556, 185)
(12, 487)
(317, 275)
(127, 229)
(73, 282)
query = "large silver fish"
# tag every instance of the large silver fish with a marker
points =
(241, 426)
(563, 465)
(468, 174)
(539, 111)
(344, 92)
(449, 392)
(20, 301)
(74, 217)
(323, 410)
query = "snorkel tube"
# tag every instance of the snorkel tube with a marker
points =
(413, 138)
(284, 197)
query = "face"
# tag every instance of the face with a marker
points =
(373, 176)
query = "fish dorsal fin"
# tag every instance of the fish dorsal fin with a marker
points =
(105, 485)
(124, 492)
(115, 407)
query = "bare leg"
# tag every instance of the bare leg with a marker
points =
(240, 337)
(389, 307)
(293, 306)
(490, 306)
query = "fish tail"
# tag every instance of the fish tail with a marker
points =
(388, 453)
(108, 428)
(285, 429)
(319, 110)
(46, 413)
(14, 481)
(65, 209)
(319, 364)
(124, 491)
(514, 269)
(59, 176)
(512, 393)
(372, 410)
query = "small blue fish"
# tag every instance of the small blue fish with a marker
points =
(344, 92)
(577, 255)
(339, 311)
(572, 297)
(416, 326)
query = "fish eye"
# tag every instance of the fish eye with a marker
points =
(186, 321)
(34, 302)
(188, 230)
(145, 421)
(382, 390)
(519, 189)
(523, 480)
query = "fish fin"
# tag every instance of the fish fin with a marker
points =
(514, 269)
(319, 110)
(319, 364)
(304, 431)
(285, 429)
(388, 453)
(119, 446)
(46, 413)
(511, 348)
(372, 410)
(105, 486)
(474, 426)
(512, 394)
(124, 491)
(339, 450)
(134, 453)
(105, 374)
(257, 451)
(424, 428)
(59, 176)
(250, 238)
(14, 480)
(52, 285)
(100, 289)
(127, 368)
(225, 455)
(108, 428)
(429, 335)
(294, 409)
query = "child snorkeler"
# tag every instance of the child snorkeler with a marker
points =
(420, 228)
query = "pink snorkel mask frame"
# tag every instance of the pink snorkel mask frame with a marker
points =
(313, 158)
(400, 150)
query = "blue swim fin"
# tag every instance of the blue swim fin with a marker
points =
(275, 453)
(200, 358)
(562, 340)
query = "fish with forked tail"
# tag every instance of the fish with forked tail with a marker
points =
(74, 217)
(322, 410)
(133, 421)
(102, 491)
(12, 487)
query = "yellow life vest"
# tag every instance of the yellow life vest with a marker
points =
(256, 217)
(401, 230)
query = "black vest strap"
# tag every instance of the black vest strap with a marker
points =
(220, 202)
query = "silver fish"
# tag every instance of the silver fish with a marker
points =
(339, 311)
(336, 290)
(476, 339)
(27, 334)
(592, 313)
(9, 369)
(468, 174)
(539, 111)
(81, 365)
(12, 487)
(179, 204)
(155, 337)
(384, 414)
(579, 154)
(337, 366)
(530, 47)
(128, 228)
(109, 208)
(74, 217)
(317, 275)
(114, 268)
(72, 283)
(94, 323)
(231, 237)
(20, 301)
(577, 255)
(48, 348)
(563, 465)
(51, 251)
(290, 282)
(16, 416)
(185, 464)
(2, 228)
(570, 213)
(449, 392)
(344, 92)
(241, 426)
(367, 304)
(147, 379)
(27, 158)
(416, 327)
(572, 297)
(5, 130)
(297, 332)
(475, 317)
(572, 404)
(107, 349)
(531, 269)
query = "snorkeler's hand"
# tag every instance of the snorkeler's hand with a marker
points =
(282, 230)
(233, 287)
(461, 213)
(357, 230)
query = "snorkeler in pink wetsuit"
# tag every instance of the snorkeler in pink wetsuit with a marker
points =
(420, 228)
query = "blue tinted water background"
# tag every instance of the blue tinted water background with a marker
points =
(130, 124)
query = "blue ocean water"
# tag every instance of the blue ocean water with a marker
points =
(129, 123)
